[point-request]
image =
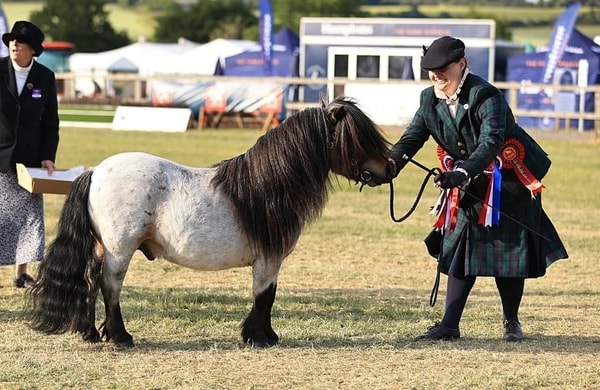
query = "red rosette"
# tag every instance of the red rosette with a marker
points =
(513, 157)
(512, 153)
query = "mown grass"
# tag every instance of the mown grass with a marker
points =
(86, 113)
(351, 296)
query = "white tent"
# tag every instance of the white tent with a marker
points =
(148, 58)
(139, 57)
(143, 55)
(203, 59)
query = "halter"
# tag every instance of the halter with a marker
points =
(363, 177)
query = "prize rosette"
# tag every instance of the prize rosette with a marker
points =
(513, 157)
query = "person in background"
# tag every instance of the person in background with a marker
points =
(490, 216)
(29, 133)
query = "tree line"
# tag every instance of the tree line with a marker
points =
(86, 23)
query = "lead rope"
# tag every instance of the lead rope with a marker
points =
(435, 288)
(416, 202)
(430, 172)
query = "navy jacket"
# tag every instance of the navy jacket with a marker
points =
(28, 122)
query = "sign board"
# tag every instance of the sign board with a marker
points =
(373, 50)
(152, 119)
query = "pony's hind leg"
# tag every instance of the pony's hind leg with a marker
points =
(256, 329)
(87, 325)
(113, 328)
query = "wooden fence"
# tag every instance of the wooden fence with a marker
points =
(138, 84)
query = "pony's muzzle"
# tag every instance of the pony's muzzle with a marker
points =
(370, 179)
(366, 176)
(376, 177)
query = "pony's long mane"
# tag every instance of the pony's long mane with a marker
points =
(355, 136)
(281, 183)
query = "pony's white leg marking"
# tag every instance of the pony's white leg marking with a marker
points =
(264, 274)
(256, 329)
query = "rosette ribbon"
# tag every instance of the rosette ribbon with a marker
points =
(446, 206)
(490, 211)
(513, 157)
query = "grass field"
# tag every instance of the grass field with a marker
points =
(86, 113)
(351, 297)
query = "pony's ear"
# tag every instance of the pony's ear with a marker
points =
(337, 112)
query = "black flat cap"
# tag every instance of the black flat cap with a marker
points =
(442, 52)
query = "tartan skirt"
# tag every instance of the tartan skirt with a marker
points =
(22, 236)
(523, 245)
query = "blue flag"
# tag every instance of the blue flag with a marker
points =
(563, 27)
(265, 32)
(3, 30)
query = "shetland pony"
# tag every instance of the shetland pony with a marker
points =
(246, 211)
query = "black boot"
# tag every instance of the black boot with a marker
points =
(439, 332)
(511, 293)
(512, 330)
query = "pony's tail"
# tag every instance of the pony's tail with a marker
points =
(63, 283)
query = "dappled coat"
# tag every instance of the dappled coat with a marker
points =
(483, 125)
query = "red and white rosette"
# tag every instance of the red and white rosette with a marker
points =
(446, 206)
(513, 157)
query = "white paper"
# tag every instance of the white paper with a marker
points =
(68, 175)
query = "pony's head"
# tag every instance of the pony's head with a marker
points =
(359, 149)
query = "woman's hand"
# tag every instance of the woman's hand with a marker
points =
(451, 179)
(49, 165)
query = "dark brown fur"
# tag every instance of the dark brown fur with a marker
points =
(281, 183)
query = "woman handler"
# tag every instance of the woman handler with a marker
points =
(29, 134)
(486, 160)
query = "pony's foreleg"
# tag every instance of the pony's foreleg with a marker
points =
(256, 329)
(113, 328)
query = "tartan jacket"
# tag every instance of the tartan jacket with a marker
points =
(29, 122)
(476, 136)
(483, 121)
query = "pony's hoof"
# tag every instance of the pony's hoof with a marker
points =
(260, 344)
(125, 344)
(92, 337)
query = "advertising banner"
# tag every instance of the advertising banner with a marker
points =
(265, 32)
